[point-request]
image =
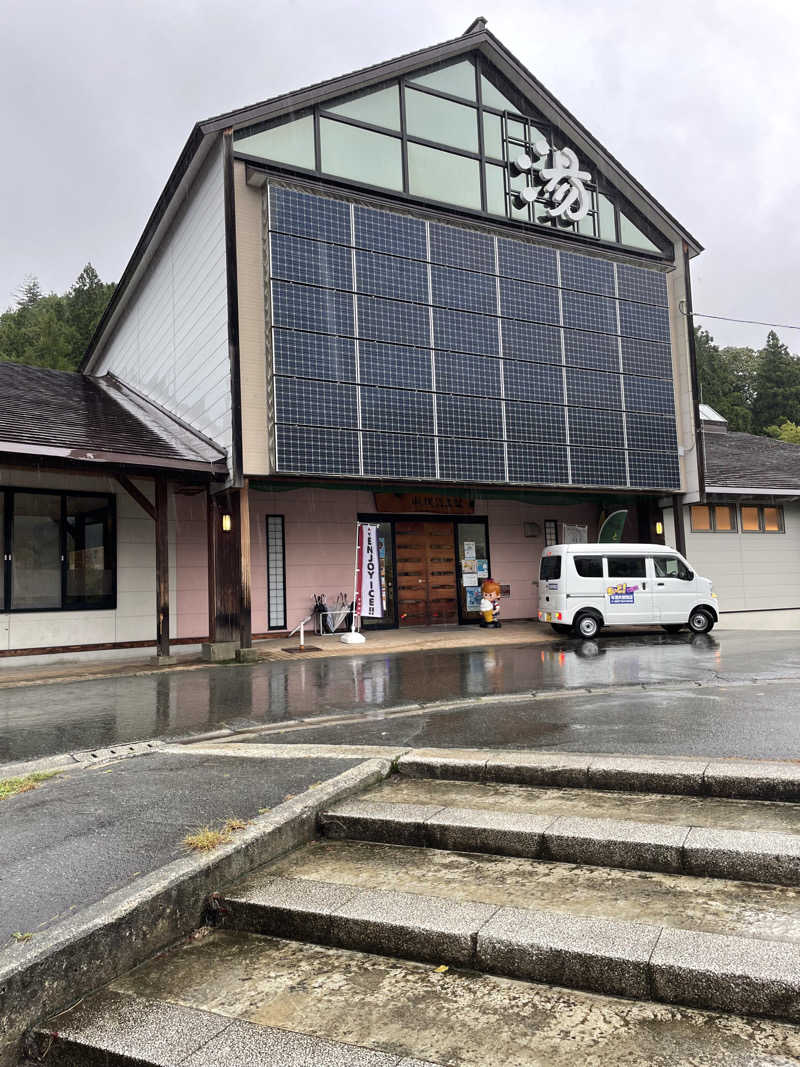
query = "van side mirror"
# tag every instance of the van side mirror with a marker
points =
(687, 575)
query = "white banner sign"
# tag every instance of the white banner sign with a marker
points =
(371, 595)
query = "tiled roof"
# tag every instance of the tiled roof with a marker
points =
(742, 460)
(74, 416)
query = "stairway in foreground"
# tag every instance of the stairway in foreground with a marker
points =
(464, 913)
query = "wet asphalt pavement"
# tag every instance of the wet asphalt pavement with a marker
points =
(736, 693)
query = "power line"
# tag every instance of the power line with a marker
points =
(727, 318)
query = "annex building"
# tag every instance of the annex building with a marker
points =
(422, 294)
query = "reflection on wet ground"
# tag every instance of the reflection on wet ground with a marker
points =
(48, 719)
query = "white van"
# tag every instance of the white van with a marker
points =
(584, 587)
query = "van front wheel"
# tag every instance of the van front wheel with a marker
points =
(700, 622)
(587, 626)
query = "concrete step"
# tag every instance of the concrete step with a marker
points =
(711, 905)
(756, 779)
(745, 855)
(241, 1000)
(608, 955)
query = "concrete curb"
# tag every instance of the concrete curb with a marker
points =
(736, 855)
(609, 956)
(687, 776)
(131, 925)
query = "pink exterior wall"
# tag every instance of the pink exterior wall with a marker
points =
(515, 557)
(319, 527)
(191, 565)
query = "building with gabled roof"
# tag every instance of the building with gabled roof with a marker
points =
(422, 296)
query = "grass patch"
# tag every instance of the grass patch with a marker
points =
(9, 787)
(207, 838)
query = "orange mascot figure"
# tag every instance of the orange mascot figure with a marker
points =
(490, 603)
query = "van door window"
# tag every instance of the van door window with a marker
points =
(626, 567)
(589, 566)
(550, 568)
(671, 567)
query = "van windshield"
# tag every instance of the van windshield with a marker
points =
(550, 568)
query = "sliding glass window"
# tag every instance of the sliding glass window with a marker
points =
(59, 551)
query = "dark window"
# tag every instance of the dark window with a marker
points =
(550, 568)
(276, 573)
(626, 567)
(589, 566)
(671, 567)
(60, 551)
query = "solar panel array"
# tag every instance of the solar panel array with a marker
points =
(410, 349)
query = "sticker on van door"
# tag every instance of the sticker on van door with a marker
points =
(622, 593)
(552, 587)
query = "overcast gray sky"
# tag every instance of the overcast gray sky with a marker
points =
(699, 100)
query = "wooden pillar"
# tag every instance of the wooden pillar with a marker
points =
(680, 530)
(245, 621)
(162, 567)
(226, 596)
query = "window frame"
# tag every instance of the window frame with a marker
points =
(733, 511)
(267, 518)
(525, 217)
(109, 602)
(760, 508)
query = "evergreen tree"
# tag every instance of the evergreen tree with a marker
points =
(777, 385)
(50, 330)
(726, 378)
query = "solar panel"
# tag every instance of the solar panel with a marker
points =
(638, 283)
(387, 364)
(459, 247)
(535, 422)
(304, 307)
(596, 351)
(654, 470)
(458, 331)
(420, 375)
(463, 460)
(314, 355)
(386, 231)
(593, 390)
(643, 320)
(596, 427)
(391, 320)
(537, 303)
(589, 312)
(537, 463)
(587, 273)
(453, 288)
(646, 357)
(460, 372)
(543, 382)
(396, 455)
(322, 218)
(380, 275)
(528, 262)
(594, 466)
(308, 450)
(531, 341)
(399, 410)
(311, 262)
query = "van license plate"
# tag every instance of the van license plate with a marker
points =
(548, 617)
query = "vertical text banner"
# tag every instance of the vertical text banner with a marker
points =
(371, 594)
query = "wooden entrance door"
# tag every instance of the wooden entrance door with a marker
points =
(426, 573)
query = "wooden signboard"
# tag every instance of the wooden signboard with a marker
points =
(427, 503)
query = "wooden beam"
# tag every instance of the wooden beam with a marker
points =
(162, 567)
(245, 621)
(212, 518)
(137, 494)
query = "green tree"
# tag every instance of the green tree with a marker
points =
(726, 377)
(787, 431)
(777, 386)
(50, 330)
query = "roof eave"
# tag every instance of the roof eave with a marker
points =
(214, 469)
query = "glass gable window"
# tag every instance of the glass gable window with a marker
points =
(363, 155)
(59, 551)
(290, 142)
(475, 138)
